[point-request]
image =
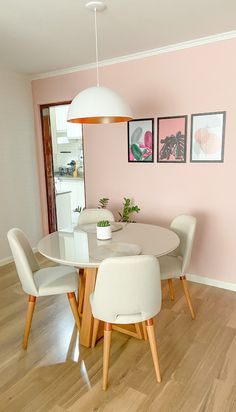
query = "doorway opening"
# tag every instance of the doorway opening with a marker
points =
(64, 167)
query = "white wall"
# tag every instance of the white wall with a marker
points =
(19, 187)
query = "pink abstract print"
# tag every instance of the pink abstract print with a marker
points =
(207, 137)
(140, 140)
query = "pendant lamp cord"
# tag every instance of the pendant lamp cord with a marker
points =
(96, 42)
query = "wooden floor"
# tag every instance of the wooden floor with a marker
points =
(197, 358)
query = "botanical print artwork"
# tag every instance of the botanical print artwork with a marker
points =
(171, 139)
(207, 137)
(140, 140)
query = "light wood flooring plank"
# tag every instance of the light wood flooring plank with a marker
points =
(197, 358)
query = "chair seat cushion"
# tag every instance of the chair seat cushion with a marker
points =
(55, 280)
(170, 266)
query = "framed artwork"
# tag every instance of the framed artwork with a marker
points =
(140, 140)
(207, 137)
(171, 139)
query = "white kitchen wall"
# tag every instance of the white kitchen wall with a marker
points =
(19, 187)
(74, 147)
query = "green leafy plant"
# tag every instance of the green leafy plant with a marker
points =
(173, 145)
(128, 209)
(103, 223)
(103, 202)
(78, 209)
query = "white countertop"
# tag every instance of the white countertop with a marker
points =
(63, 192)
(71, 178)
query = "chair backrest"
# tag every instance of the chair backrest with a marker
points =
(94, 216)
(24, 259)
(127, 286)
(184, 226)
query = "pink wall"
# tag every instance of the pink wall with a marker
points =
(199, 79)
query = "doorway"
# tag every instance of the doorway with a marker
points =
(64, 166)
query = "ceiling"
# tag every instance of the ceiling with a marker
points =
(47, 35)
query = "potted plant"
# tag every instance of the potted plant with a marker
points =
(103, 202)
(103, 230)
(76, 213)
(128, 209)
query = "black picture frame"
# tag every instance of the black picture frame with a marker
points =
(207, 137)
(140, 142)
(167, 150)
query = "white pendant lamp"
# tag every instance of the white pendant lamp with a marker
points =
(98, 104)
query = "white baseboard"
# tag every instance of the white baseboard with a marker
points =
(9, 259)
(212, 282)
(6, 260)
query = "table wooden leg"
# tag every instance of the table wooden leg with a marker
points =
(87, 318)
(138, 330)
(81, 291)
(95, 332)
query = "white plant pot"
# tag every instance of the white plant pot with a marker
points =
(103, 232)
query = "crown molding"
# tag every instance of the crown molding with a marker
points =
(140, 55)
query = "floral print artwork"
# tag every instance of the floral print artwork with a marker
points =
(140, 140)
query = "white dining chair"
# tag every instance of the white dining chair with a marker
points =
(88, 216)
(127, 291)
(37, 282)
(94, 216)
(176, 264)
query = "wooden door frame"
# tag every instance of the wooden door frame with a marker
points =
(48, 165)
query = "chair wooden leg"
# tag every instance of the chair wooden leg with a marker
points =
(81, 291)
(171, 289)
(145, 331)
(187, 295)
(95, 332)
(153, 346)
(74, 308)
(29, 316)
(106, 353)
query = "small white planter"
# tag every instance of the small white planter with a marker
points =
(104, 232)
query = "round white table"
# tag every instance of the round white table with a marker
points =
(81, 249)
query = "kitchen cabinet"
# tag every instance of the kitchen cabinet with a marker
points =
(70, 130)
(76, 186)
